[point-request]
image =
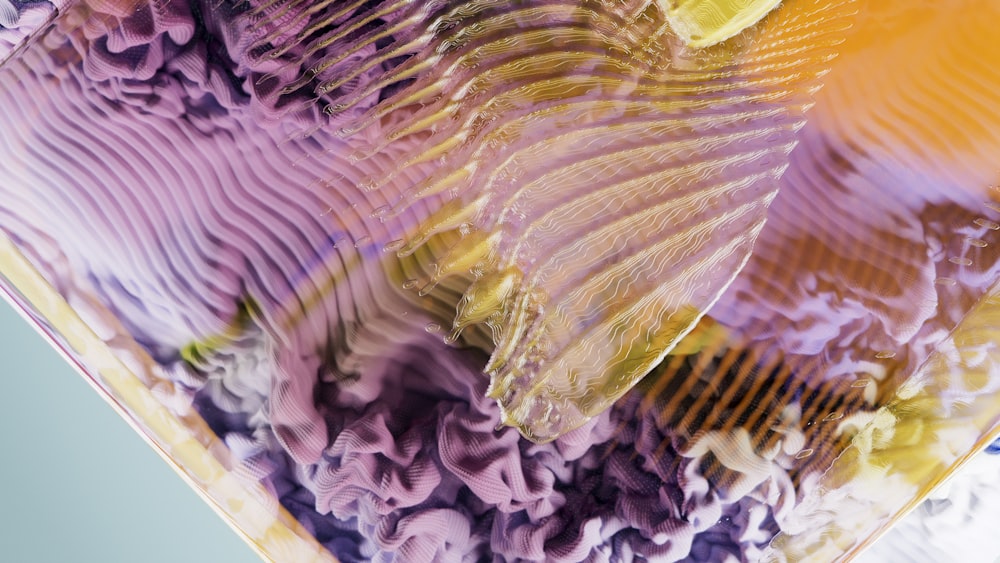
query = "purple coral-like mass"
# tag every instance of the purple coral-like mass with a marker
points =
(189, 165)
(421, 473)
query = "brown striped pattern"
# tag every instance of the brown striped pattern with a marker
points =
(881, 239)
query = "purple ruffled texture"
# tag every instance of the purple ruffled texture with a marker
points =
(417, 471)
(177, 58)
(20, 20)
(165, 57)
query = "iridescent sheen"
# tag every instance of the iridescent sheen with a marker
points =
(728, 275)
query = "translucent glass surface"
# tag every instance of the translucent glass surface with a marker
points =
(954, 523)
(536, 280)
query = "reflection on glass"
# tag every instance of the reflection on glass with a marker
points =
(607, 281)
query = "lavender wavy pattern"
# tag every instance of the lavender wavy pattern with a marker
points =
(162, 156)
(21, 22)
(399, 468)
(593, 247)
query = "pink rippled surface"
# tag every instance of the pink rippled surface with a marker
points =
(172, 160)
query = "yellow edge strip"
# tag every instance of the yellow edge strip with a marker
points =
(251, 511)
(945, 414)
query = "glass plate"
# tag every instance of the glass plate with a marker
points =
(532, 280)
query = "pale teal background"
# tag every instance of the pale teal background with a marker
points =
(77, 484)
